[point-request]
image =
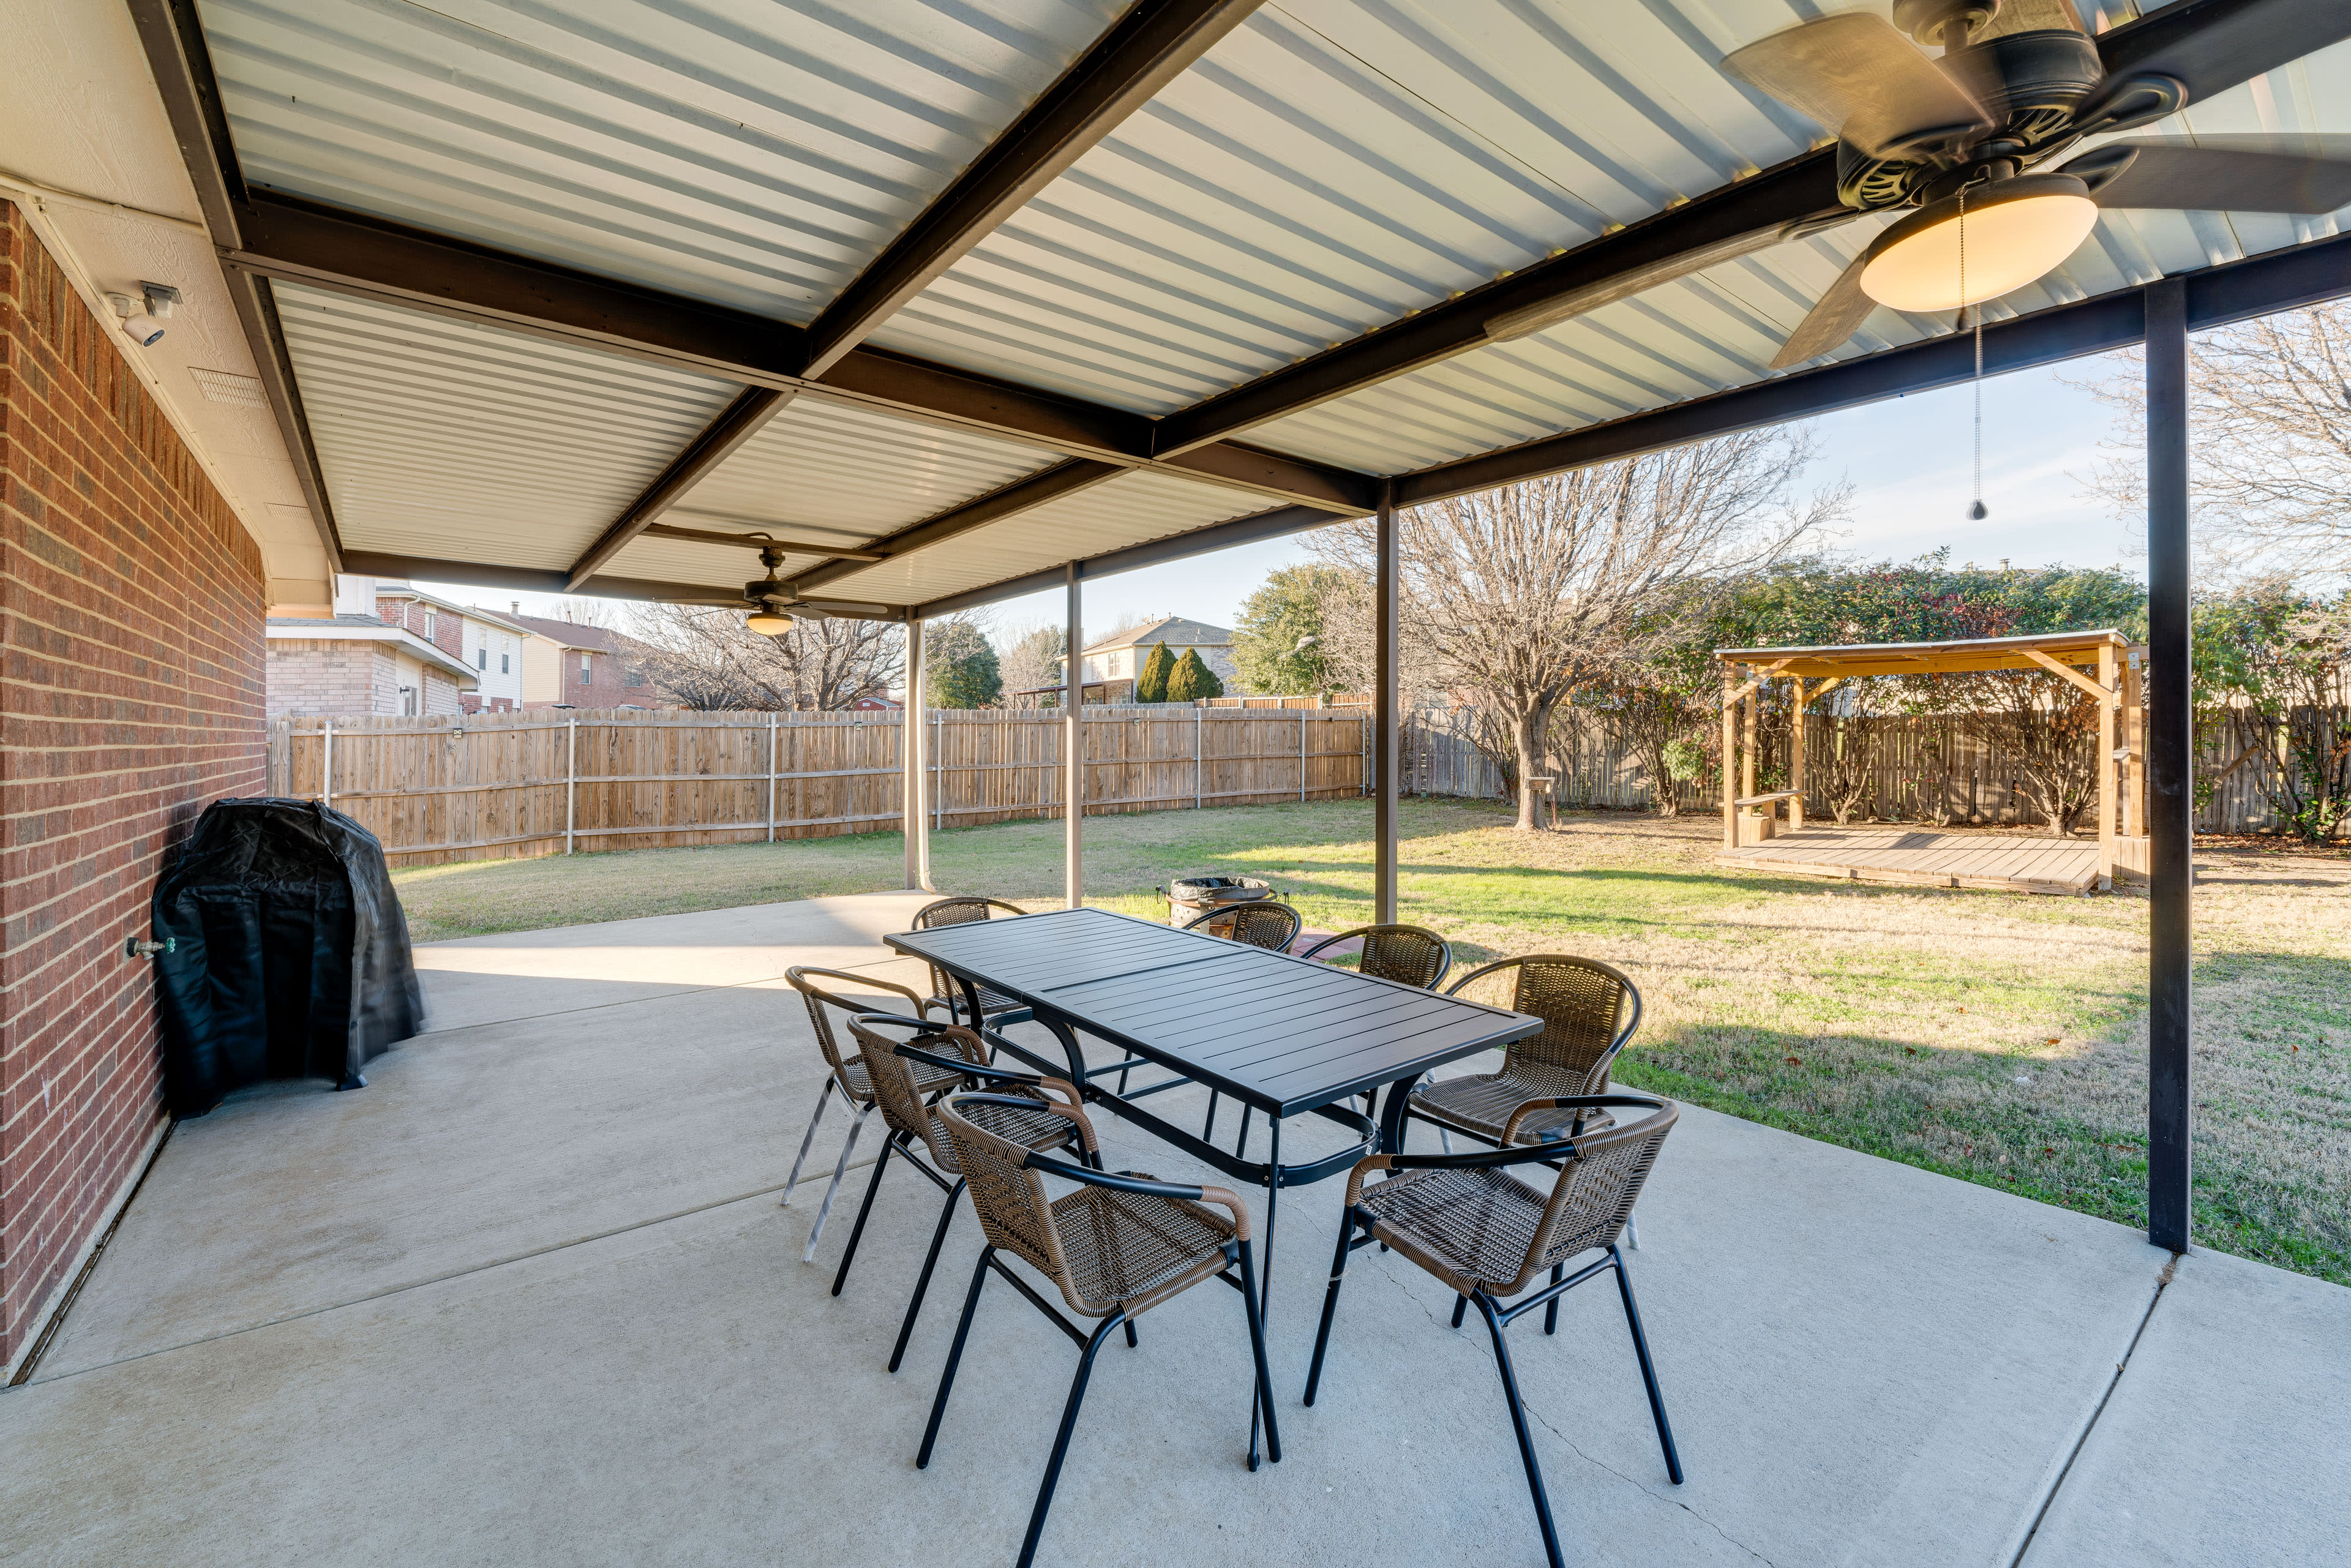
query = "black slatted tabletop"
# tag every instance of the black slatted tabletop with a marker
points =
(1282, 1034)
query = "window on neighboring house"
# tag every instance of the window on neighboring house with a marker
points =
(482, 657)
(502, 663)
(584, 676)
(632, 676)
(431, 621)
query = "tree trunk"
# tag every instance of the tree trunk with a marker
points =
(1526, 731)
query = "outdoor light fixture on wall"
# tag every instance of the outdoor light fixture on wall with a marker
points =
(144, 317)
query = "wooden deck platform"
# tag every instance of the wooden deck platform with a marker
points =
(1928, 858)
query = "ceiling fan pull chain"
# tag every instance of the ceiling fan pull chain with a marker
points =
(1975, 511)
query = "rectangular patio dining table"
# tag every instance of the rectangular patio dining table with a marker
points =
(1283, 1035)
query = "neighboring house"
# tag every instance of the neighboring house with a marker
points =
(568, 665)
(1121, 658)
(355, 664)
(875, 704)
(491, 645)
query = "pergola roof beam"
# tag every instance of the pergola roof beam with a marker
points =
(1154, 42)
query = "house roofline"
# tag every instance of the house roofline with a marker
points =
(304, 631)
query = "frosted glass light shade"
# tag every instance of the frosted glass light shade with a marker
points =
(2017, 231)
(768, 624)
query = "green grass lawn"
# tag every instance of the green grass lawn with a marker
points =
(1996, 1036)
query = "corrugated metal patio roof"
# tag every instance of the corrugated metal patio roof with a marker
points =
(988, 290)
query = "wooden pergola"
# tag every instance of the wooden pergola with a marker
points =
(2113, 680)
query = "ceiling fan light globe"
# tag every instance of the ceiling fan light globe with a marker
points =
(768, 622)
(2017, 231)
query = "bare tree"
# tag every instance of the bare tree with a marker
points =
(2048, 730)
(2270, 414)
(705, 658)
(1033, 658)
(1528, 595)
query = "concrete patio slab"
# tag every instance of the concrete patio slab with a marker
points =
(530, 1298)
(537, 974)
(2229, 1437)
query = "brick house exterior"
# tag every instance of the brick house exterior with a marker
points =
(491, 646)
(570, 665)
(132, 692)
(357, 664)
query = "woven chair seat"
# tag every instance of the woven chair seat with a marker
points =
(1480, 1104)
(1472, 1229)
(1038, 1129)
(928, 1080)
(991, 1001)
(1132, 1249)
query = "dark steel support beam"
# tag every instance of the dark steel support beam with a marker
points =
(1149, 46)
(735, 424)
(2171, 770)
(1386, 708)
(2209, 44)
(1642, 254)
(1051, 484)
(352, 252)
(2279, 280)
(1246, 530)
(541, 580)
(174, 40)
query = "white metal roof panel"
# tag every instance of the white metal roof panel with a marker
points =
(1333, 164)
(1131, 509)
(752, 152)
(830, 473)
(454, 441)
(1720, 329)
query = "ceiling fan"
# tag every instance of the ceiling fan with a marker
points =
(2018, 82)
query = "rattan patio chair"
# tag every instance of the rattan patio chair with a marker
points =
(1115, 1247)
(902, 1054)
(845, 1072)
(1262, 924)
(1486, 1234)
(1408, 955)
(996, 1009)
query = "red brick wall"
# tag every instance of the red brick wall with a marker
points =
(448, 630)
(130, 695)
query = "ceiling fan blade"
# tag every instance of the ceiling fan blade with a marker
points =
(1862, 80)
(2221, 174)
(1838, 316)
(2032, 16)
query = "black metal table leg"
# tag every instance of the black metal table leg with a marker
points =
(1265, 1259)
(1391, 1117)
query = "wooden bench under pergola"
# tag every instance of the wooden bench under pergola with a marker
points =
(2103, 662)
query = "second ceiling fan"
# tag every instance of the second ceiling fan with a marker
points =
(1964, 139)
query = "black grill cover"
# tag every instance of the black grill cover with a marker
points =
(292, 954)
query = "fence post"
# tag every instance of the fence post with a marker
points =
(771, 775)
(938, 772)
(327, 771)
(570, 777)
(1197, 756)
(1301, 757)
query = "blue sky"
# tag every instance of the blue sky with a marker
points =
(1908, 460)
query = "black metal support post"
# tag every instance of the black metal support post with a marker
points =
(1073, 747)
(1386, 707)
(2170, 767)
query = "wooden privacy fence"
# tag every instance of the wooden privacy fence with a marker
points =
(480, 786)
(1927, 768)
